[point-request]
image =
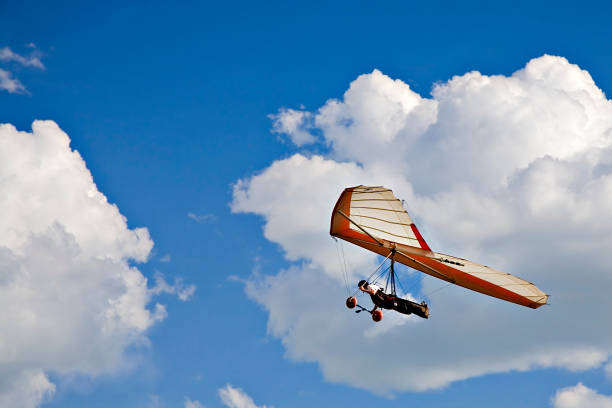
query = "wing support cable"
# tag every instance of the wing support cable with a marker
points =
(374, 273)
(343, 267)
(447, 278)
(391, 278)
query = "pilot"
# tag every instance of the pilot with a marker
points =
(368, 287)
(379, 298)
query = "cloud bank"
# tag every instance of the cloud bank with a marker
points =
(71, 298)
(510, 171)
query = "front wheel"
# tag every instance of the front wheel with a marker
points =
(351, 302)
(377, 315)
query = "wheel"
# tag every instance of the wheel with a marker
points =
(377, 315)
(351, 302)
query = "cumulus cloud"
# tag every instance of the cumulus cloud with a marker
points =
(510, 171)
(71, 297)
(236, 398)
(580, 396)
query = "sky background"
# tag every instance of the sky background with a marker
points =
(170, 106)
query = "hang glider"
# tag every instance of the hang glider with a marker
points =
(373, 218)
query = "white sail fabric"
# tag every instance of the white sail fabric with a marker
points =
(381, 214)
(501, 279)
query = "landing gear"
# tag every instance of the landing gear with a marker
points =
(351, 302)
(390, 301)
(377, 314)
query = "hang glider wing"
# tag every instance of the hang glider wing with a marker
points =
(373, 218)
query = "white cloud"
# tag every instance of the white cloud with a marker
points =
(10, 84)
(377, 122)
(514, 172)
(193, 403)
(201, 218)
(608, 370)
(32, 60)
(25, 389)
(580, 396)
(294, 124)
(153, 401)
(178, 288)
(236, 398)
(71, 298)
(7, 81)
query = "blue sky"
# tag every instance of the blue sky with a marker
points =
(169, 106)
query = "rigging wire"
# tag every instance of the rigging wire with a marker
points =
(347, 268)
(417, 282)
(412, 286)
(372, 274)
(380, 275)
(342, 261)
(345, 274)
(428, 295)
(387, 282)
(431, 292)
(402, 286)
